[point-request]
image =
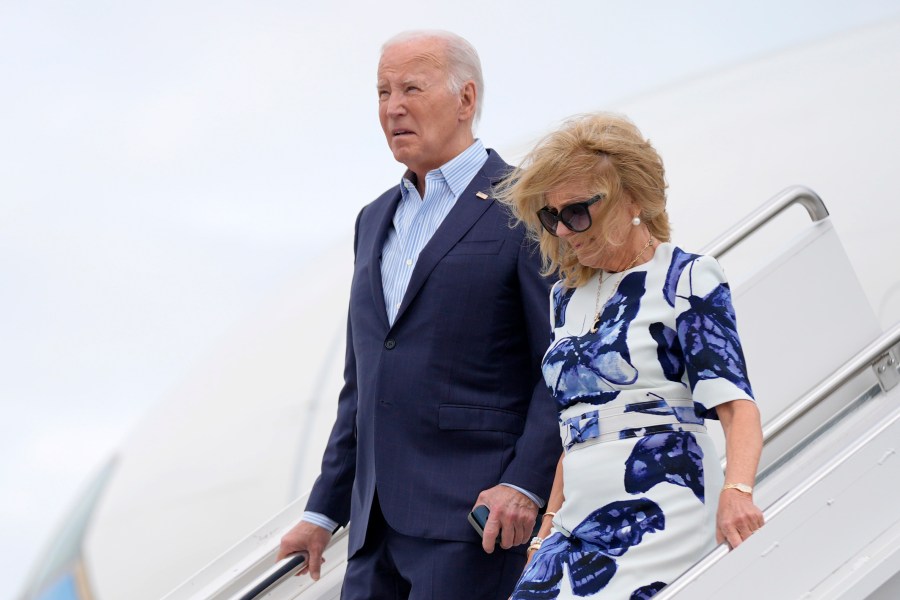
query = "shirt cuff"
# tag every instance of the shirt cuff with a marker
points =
(320, 520)
(536, 499)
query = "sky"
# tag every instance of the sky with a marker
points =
(166, 167)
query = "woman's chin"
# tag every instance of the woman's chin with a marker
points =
(589, 260)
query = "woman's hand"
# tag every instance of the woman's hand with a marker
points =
(737, 518)
(553, 505)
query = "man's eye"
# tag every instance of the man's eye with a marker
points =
(382, 94)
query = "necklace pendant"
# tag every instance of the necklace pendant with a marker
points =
(596, 326)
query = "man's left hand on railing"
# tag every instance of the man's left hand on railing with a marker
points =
(310, 538)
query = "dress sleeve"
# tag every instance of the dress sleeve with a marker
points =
(707, 331)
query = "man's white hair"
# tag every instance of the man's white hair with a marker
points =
(463, 63)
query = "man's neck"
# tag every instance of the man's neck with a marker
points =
(417, 176)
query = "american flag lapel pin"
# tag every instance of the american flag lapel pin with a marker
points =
(481, 195)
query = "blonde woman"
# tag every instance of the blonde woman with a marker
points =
(644, 349)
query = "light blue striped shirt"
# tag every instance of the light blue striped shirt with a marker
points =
(417, 218)
(415, 221)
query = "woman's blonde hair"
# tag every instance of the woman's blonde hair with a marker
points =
(609, 155)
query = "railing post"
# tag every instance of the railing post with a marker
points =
(797, 194)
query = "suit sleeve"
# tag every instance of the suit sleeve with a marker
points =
(539, 447)
(332, 490)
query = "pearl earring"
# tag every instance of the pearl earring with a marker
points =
(636, 221)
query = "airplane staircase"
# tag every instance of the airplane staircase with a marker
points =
(825, 378)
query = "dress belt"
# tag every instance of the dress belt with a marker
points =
(629, 421)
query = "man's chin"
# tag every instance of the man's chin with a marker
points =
(402, 154)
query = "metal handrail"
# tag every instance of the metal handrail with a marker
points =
(273, 576)
(282, 571)
(865, 359)
(797, 194)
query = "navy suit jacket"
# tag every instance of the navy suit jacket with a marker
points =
(449, 401)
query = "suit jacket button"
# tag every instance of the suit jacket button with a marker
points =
(390, 343)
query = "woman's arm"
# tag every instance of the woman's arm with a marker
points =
(738, 516)
(553, 504)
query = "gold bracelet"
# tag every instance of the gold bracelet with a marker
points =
(548, 514)
(535, 543)
(741, 487)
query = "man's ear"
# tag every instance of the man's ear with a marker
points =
(468, 97)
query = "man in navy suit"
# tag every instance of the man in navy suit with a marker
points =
(443, 407)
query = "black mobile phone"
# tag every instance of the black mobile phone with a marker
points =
(478, 518)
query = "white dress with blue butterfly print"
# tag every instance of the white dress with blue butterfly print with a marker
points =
(641, 475)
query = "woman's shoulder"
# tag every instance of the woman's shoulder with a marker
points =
(685, 269)
(677, 259)
(559, 291)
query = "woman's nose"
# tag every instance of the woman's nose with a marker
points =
(563, 231)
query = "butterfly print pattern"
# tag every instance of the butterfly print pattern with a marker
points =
(708, 335)
(561, 297)
(668, 351)
(590, 368)
(645, 592)
(673, 457)
(590, 552)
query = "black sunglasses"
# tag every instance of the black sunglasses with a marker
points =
(575, 216)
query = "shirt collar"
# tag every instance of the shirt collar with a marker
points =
(458, 172)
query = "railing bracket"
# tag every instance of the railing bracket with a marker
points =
(885, 367)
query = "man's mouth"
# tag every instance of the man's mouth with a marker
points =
(399, 132)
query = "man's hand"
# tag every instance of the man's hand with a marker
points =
(512, 517)
(309, 538)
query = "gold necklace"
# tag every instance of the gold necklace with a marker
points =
(597, 306)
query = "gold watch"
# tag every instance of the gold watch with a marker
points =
(741, 487)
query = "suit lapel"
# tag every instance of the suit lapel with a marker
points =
(383, 221)
(464, 214)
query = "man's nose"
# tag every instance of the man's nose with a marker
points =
(396, 104)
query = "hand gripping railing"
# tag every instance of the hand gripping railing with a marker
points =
(788, 197)
(865, 359)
